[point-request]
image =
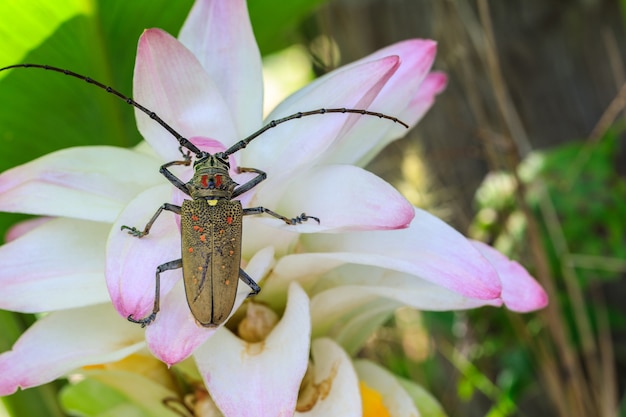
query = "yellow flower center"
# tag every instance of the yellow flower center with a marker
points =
(372, 402)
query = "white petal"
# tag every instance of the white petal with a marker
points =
(338, 386)
(259, 379)
(395, 399)
(57, 265)
(220, 36)
(64, 341)
(428, 249)
(343, 197)
(91, 183)
(363, 297)
(260, 232)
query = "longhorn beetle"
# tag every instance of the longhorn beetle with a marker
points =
(211, 222)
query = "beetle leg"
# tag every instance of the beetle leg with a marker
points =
(250, 184)
(250, 282)
(296, 220)
(173, 178)
(141, 233)
(178, 263)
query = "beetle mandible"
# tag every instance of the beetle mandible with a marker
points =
(211, 221)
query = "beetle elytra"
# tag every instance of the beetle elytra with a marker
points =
(211, 220)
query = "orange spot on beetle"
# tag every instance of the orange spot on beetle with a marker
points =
(229, 220)
(230, 252)
(203, 238)
(196, 228)
(205, 181)
(227, 282)
(190, 250)
(194, 218)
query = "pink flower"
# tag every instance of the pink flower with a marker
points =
(371, 253)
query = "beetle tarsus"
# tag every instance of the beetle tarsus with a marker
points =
(133, 231)
(186, 155)
(302, 218)
(144, 322)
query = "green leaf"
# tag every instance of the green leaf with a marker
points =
(90, 398)
(49, 111)
(116, 393)
(27, 24)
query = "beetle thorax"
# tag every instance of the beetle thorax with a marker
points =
(211, 179)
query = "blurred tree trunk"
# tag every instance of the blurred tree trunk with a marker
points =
(562, 64)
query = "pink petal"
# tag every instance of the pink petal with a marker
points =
(90, 183)
(259, 379)
(428, 249)
(289, 146)
(433, 85)
(170, 81)
(56, 266)
(333, 369)
(423, 100)
(220, 36)
(417, 56)
(64, 341)
(131, 262)
(344, 197)
(520, 291)
(175, 334)
(24, 227)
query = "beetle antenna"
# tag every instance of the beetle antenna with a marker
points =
(244, 142)
(184, 142)
(181, 140)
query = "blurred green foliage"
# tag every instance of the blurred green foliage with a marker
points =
(579, 198)
(577, 182)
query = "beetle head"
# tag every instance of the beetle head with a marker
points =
(211, 179)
